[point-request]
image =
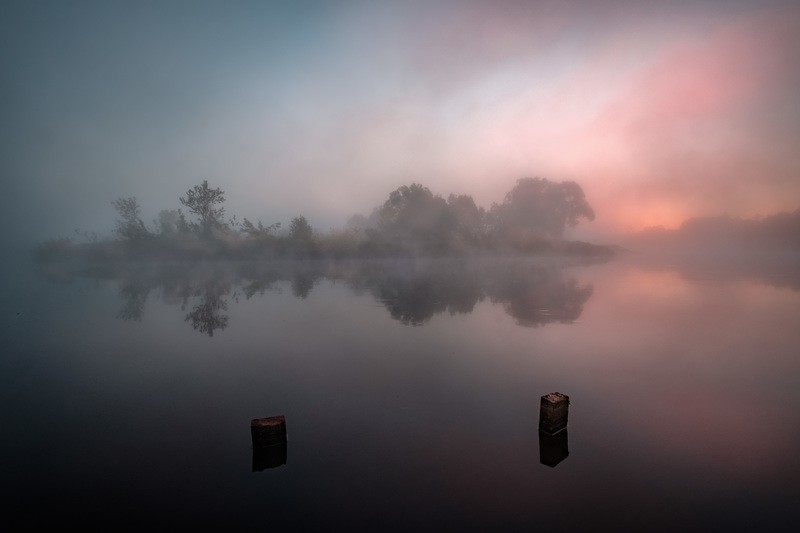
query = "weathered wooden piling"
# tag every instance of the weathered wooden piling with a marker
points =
(268, 431)
(553, 412)
(269, 442)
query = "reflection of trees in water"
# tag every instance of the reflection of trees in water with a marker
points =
(207, 316)
(562, 301)
(413, 291)
(302, 283)
(534, 294)
(775, 269)
(414, 295)
(412, 301)
(178, 285)
(134, 295)
(260, 278)
(256, 286)
(539, 295)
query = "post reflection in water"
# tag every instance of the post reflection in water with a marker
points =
(412, 291)
(553, 448)
(272, 456)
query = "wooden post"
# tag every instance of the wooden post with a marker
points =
(269, 442)
(553, 412)
(268, 431)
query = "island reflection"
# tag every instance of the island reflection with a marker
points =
(534, 293)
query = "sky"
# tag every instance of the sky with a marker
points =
(659, 110)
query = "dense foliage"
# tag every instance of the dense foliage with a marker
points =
(411, 222)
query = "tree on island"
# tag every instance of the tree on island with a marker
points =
(534, 213)
(537, 208)
(413, 216)
(171, 222)
(202, 201)
(468, 218)
(412, 221)
(300, 230)
(259, 231)
(129, 223)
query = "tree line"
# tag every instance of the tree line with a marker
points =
(778, 231)
(532, 218)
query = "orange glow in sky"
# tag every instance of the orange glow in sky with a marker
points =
(679, 128)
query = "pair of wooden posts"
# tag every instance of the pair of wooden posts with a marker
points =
(269, 435)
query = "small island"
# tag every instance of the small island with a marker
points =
(412, 222)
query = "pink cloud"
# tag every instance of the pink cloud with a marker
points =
(687, 133)
(657, 115)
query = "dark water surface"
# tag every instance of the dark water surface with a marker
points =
(411, 394)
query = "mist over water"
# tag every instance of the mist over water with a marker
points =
(409, 384)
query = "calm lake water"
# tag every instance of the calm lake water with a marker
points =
(411, 392)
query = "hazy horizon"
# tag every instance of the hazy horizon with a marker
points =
(661, 112)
